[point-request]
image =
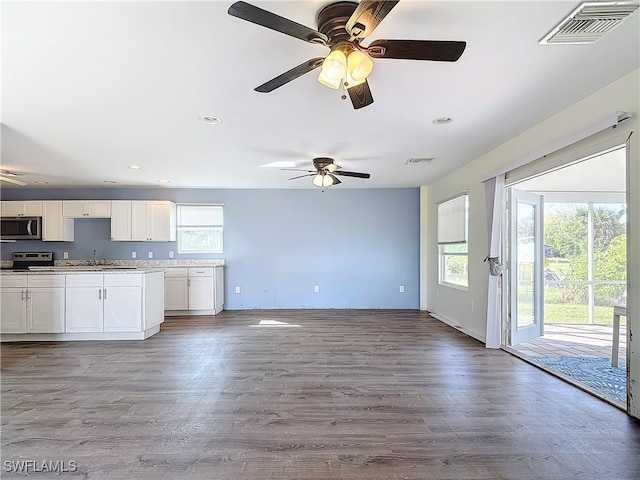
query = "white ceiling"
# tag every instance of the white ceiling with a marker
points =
(89, 88)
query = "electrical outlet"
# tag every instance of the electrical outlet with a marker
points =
(133, 255)
(401, 288)
(65, 255)
(237, 289)
(471, 305)
(170, 253)
(316, 288)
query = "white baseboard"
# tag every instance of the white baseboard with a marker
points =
(458, 327)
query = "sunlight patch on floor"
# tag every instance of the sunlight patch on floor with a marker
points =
(274, 323)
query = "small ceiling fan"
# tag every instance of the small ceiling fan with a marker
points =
(341, 28)
(325, 172)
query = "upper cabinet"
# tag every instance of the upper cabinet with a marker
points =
(153, 221)
(55, 227)
(143, 221)
(121, 220)
(86, 208)
(29, 208)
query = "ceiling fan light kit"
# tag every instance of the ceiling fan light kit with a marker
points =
(345, 65)
(341, 28)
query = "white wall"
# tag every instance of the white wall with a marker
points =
(467, 309)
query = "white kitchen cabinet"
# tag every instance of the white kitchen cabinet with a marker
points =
(55, 227)
(28, 208)
(86, 208)
(13, 305)
(218, 278)
(153, 221)
(121, 220)
(176, 290)
(201, 288)
(81, 305)
(104, 303)
(32, 304)
(194, 290)
(45, 303)
(84, 304)
(122, 302)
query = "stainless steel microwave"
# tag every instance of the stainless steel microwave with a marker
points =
(21, 228)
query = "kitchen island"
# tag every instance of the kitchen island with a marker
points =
(81, 303)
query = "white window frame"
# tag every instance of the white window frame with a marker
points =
(215, 225)
(453, 227)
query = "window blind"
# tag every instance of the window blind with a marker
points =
(452, 224)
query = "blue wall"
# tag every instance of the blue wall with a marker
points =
(357, 245)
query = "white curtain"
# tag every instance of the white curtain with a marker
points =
(494, 191)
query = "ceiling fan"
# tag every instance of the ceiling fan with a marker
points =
(341, 28)
(10, 177)
(325, 172)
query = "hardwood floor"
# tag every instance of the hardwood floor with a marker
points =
(313, 394)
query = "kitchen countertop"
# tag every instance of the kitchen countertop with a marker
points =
(119, 266)
(80, 270)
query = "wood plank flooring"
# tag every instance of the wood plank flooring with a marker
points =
(304, 394)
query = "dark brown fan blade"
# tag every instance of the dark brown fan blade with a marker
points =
(360, 95)
(352, 174)
(367, 16)
(436, 50)
(256, 15)
(302, 176)
(336, 181)
(292, 74)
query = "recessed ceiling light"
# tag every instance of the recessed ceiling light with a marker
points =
(41, 182)
(209, 120)
(110, 181)
(442, 120)
(163, 181)
(135, 167)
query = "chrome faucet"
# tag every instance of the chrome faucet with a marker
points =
(95, 257)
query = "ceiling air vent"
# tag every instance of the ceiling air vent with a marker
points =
(419, 161)
(589, 22)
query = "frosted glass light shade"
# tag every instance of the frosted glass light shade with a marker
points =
(334, 68)
(318, 179)
(359, 66)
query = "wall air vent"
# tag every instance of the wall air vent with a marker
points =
(589, 22)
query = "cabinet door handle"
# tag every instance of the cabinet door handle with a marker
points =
(105, 294)
(189, 282)
(24, 294)
(99, 294)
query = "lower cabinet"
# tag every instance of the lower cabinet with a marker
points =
(45, 304)
(194, 290)
(81, 306)
(32, 304)
(104, 303)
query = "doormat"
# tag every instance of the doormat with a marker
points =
(596, 373)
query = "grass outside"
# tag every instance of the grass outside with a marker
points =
(556, 311)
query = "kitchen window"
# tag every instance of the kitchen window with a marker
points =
(199, 228)
(453, 253)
